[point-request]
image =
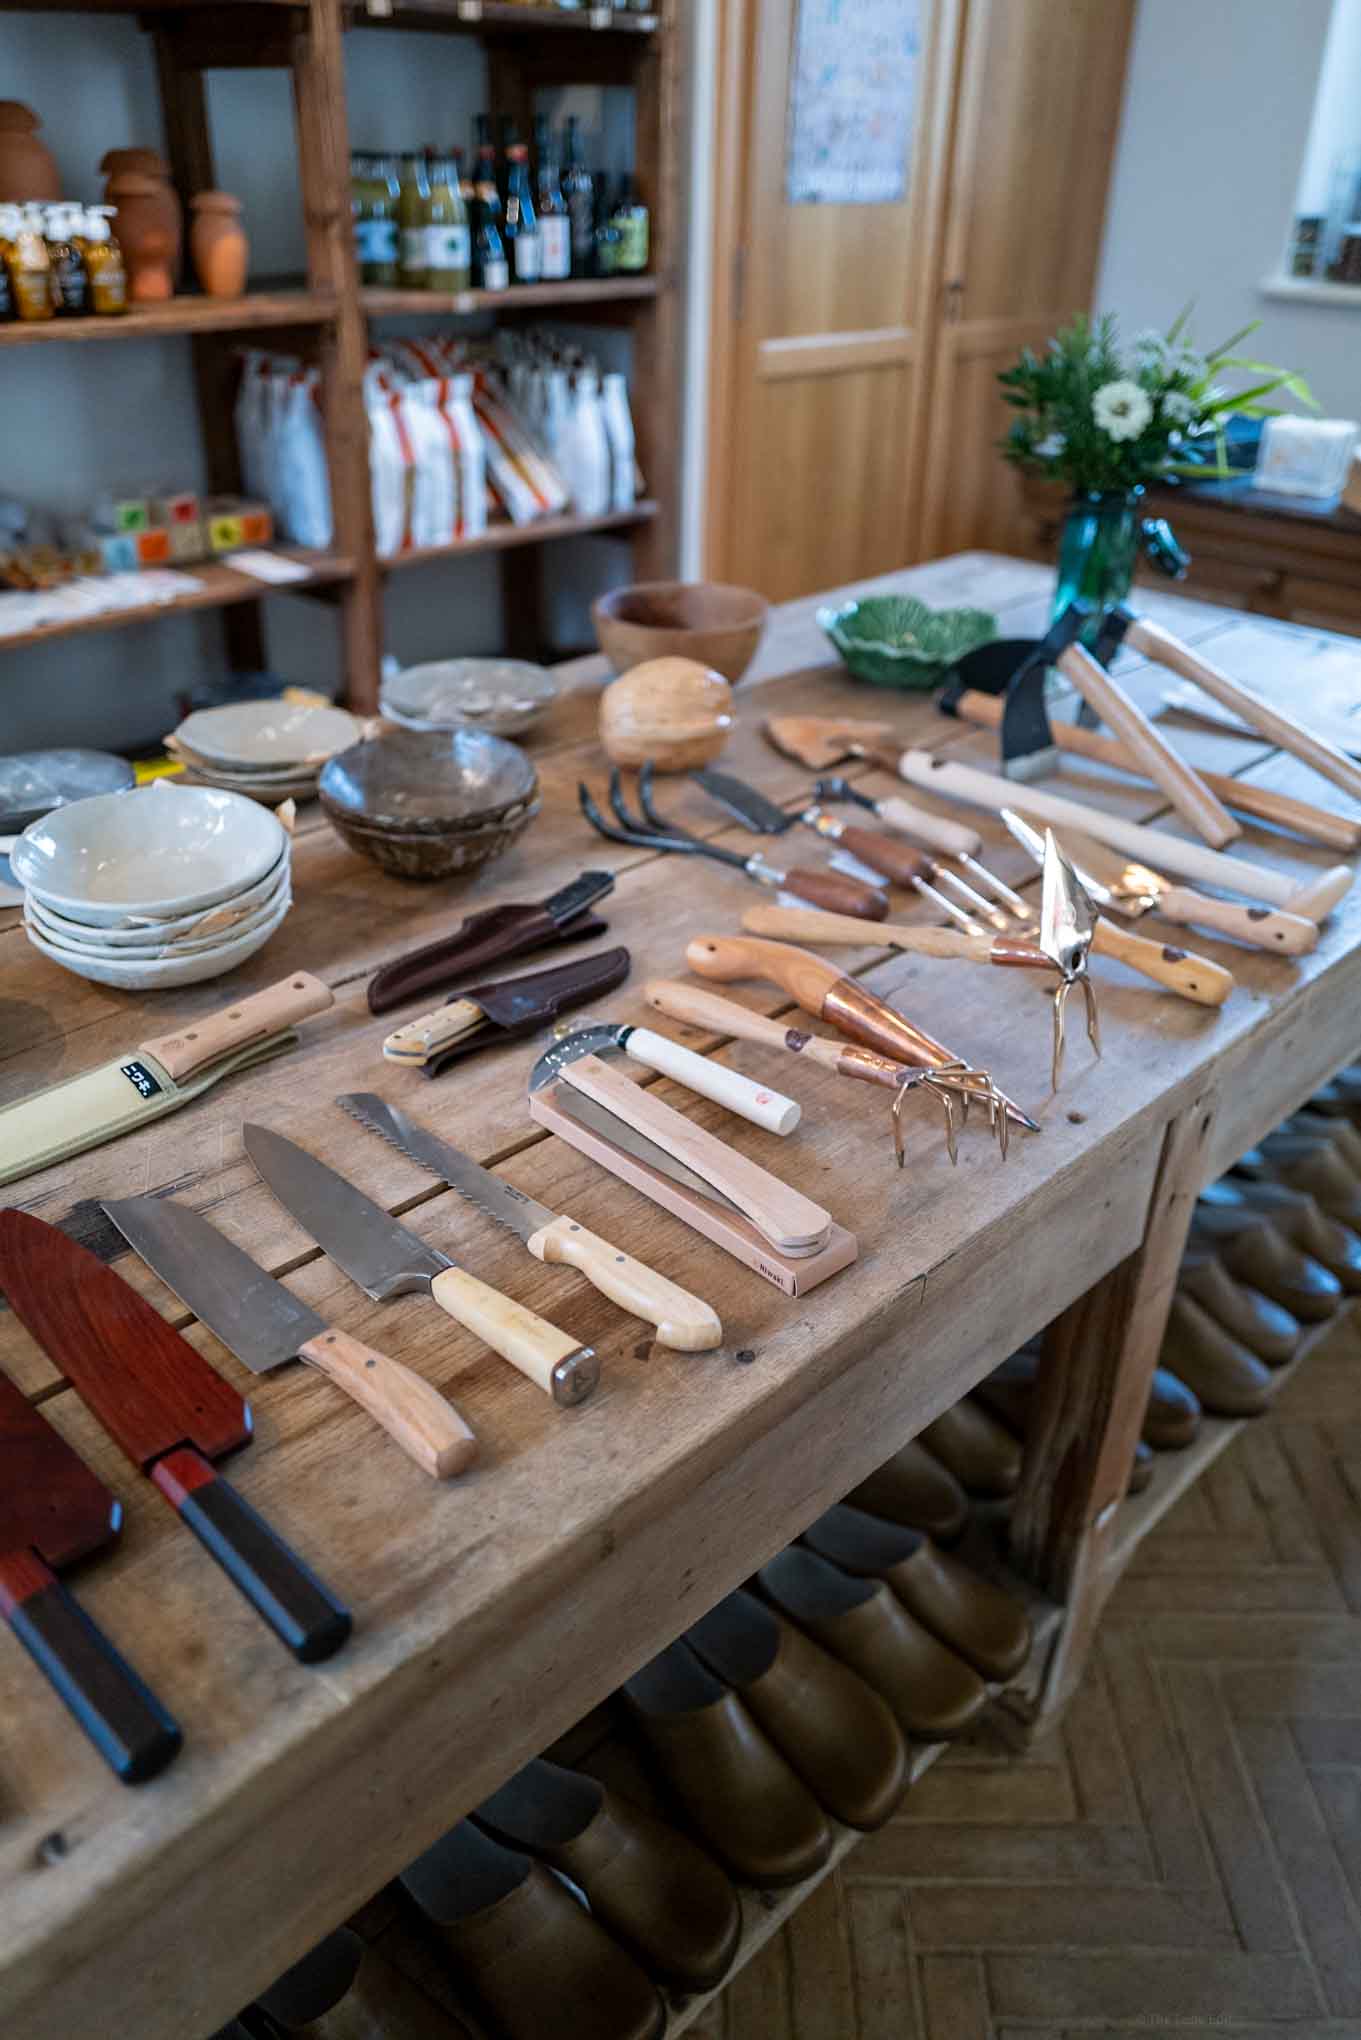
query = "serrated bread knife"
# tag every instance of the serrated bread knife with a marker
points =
(266, 1325)
(386, 1259)
(684, 1322)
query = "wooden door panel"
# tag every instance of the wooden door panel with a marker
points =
(976, 500)
(830, 506)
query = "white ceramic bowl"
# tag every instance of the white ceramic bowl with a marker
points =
(159, 851)
(500, 695)
(264, 735)
(161, 974)
(80, 941)
(139, 930)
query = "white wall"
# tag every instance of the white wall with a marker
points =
(78, 420)
(1216, 124)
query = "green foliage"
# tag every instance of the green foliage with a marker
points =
(1102, 417)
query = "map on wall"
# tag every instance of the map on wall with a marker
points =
(852, 101)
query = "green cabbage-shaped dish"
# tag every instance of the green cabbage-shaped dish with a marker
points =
(897, 641)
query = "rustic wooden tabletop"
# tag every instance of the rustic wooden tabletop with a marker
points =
(491, 1612)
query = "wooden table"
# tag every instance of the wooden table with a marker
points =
(494, 1612)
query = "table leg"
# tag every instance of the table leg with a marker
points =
(1089, 1405)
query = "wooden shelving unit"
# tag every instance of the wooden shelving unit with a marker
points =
(529, 49)
(221, 586)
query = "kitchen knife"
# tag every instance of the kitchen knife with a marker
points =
(684, 1322)
(154, 1078)
(791, 1222)
(53, 1511)
(386, 1260)
(171, 1413)
(265, 1325)
(504, 1011)
(1137, 890)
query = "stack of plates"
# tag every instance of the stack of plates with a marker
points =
(501, 695)
(271, 750)
(160, 886)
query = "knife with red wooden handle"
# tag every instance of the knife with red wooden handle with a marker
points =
(170, 1412)
(54, 1511)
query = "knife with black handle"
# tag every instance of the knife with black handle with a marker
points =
(170, 1412)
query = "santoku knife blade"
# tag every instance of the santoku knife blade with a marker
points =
(386, 1260)
(684, 1322)
(265, 1325)
(169, 1411)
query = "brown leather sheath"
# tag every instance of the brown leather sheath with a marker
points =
(518, 1006)
(490, 937)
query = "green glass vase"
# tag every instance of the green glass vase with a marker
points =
(1098, 551)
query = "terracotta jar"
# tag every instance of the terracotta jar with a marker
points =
(218, 243)
(146, 234)
(28, 169)
(117, 164)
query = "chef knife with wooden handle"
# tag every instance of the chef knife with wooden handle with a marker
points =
(684, 1322)
(54, 1511)
(170, 1412)
(155, 1077)
(1315, 899)
(1178, 970)
(266, 1326)
(1281, 810)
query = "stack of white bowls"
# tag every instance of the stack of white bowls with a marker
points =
(271, 750)
(163, 885)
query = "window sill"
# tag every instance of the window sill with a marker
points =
(1310, 290)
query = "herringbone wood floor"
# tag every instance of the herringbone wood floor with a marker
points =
(1184, 1855)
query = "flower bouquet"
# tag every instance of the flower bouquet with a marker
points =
(1108, 421)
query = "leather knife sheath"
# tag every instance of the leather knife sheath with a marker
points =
(518, 1006)
(489, 937)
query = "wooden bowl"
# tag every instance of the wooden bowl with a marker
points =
(704, 620)
(672, 712)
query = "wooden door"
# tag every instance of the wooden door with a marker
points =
(1038, 107)
(817, 342)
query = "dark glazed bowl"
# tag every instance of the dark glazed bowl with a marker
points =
(710, 621)
(430, 803)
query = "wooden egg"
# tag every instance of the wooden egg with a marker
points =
(673, 711)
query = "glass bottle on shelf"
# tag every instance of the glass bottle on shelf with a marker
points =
(361, 175)
(608, 235)
(70, 278)
(25, 252)
(510, 135)
(104, 260)
(632, 219)
(579, 192)
(448, 247)
(379, 246)
(555, 226)
(413, 212)
(521, 233)
(489, 254)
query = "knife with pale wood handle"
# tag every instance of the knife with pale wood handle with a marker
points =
(684, 1322)
(1314, 899)
(1178, 970)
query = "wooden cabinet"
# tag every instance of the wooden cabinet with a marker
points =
(854, 349)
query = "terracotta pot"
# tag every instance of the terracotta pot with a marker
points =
(119, 164)
(146, 162)
(218, 243)
(28, 169)
(147, 229)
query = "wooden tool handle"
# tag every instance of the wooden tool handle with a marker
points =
(1282, 810)
(789, 1220)
(420, 1039)
(1183, 786)
(727, 958)
(1320, 895)
(684, 1322)
(254, 1019)
(410, 1409)
(122, 1717)
(1179, 970)
(948, 839)
(283, 1591)
(698, 1008)
(556, 1362)
(1149, 846)
(1278, 728)
(838, 893)
(897, 861)
(1259, 927)
(806, 924)
(709, 1079)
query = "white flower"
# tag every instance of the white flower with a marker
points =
(1051, 446)
(1121, 409)
(1150, 344)
(1178, 407)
